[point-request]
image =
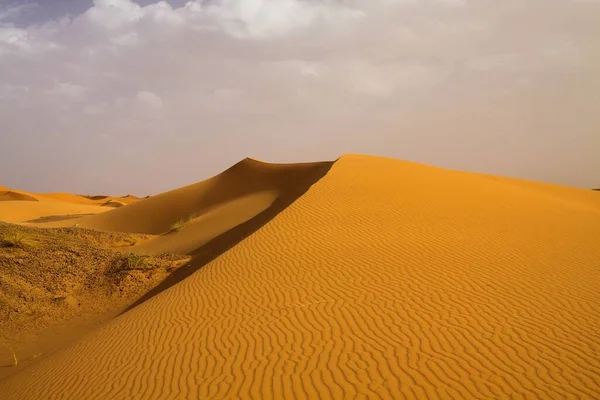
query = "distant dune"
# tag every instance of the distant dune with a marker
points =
(20, 211)
(81, 199)
(16, 206)
(364, 278)
(9, 195)
(113, 204)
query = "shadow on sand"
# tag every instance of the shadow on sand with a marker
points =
(220, 244)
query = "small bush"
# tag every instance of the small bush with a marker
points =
(127, 242)
(179, 225)
(16, 239)
(135, 261)
(130, 262)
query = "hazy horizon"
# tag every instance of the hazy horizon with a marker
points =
(117, 97)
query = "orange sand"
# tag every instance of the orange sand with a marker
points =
(386, 279)
(97, 200)
(19, 211)
(209, 208)
(9, 195)
(21, 206)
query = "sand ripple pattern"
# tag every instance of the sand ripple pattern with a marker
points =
(386, 280)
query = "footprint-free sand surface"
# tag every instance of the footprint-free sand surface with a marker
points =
(20, 206)
(369, 278)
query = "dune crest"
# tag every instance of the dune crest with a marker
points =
(189, 217)
(385, 279)
(22, 211)
(50, 209)
(9, 195)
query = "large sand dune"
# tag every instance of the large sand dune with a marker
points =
(209, 208)
(385, 279)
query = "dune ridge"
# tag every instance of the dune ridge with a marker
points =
(21, 211)
(385, 279)
(18, 206)
(9, 195)
(207, 209)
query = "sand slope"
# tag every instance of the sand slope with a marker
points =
(19, 211)
(9, 195)
(386, 279)
(19, 206)
(211, 207)
(91, 200)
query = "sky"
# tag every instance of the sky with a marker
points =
(117, 96)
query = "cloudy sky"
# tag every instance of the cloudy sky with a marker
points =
(119, 96)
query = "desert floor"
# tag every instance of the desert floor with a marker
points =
(365, 277)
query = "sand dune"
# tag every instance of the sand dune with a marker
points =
(91, 200)
(69, 198)
(17, 206)
(27, 196)
(113, 204)
(62, 281)
(19, 211)
(9, 195)
(189, 217)
(385, 279)
(129, 198)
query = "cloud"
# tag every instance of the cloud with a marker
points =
(302, 79)
(265, 18)
(14, 10)
(72, 91)
(113, 14)
(149, 99)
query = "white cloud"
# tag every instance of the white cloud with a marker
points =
(453, 3)
(95, 109)
(284, 74)
(113, 14)
(127, 39)
(149, 99)
(265, 18)
(72, 91)
(18, 40)
(13, 36)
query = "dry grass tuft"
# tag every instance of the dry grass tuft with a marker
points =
(14, 355)
(179, 225)
(16, 239)
(127, 242)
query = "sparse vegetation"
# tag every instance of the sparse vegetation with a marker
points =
(179, 225)
(16, 239)
(137, 262)
(14, 355)
(48, 275)
(128, 263)
(127, 242)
